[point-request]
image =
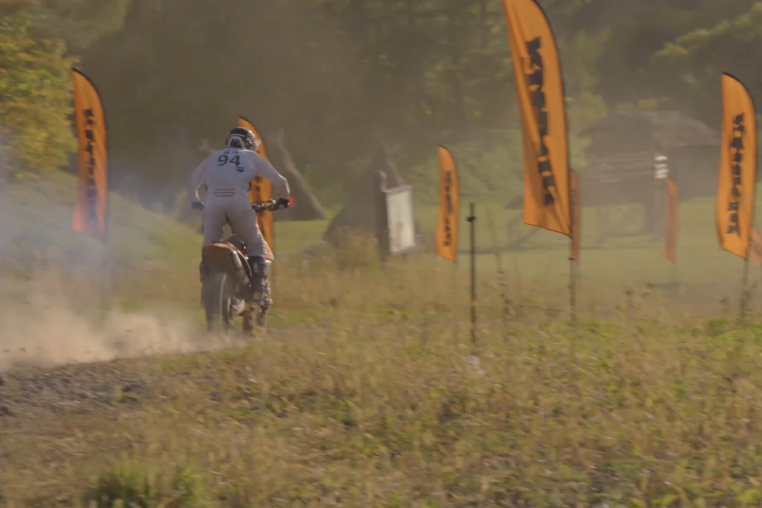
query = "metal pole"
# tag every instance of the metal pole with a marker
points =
(472, 220)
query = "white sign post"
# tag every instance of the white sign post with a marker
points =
(400, 220)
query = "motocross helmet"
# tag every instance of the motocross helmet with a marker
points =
(242, 138)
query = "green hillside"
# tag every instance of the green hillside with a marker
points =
(151, 258)
(36, 236)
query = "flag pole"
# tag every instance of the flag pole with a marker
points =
(745, 280)
(672, 233)
(745, 296)
(745, 290)
(573, 284)
(573, 196)
(107, 282)
(472, 220)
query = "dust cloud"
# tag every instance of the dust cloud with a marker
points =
(44, 328)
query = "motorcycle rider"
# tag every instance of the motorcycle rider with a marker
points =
(228, 174)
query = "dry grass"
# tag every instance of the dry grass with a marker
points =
(373, 395)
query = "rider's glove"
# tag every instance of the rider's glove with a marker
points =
(284, 202)
(197, 205)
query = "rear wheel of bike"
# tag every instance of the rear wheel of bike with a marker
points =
(218, 303)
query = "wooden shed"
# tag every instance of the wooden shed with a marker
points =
(631, 155)
(624, 148)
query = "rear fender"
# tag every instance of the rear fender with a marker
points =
(223, 257)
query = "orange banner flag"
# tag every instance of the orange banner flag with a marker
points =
(449, 207)
(91, 213)
(738, 168)
(261, 188)
(756, 247)
(673, 222)
(540, 89)
(576, 204)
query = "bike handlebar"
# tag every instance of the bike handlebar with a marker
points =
(266, 206)
(272, 205)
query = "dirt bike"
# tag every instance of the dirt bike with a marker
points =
(226, 288)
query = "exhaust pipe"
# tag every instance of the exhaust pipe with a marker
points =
(238, 270)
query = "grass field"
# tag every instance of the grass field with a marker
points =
(707, 272)
(377, 397)
(368, 391)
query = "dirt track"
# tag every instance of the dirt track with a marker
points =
(34, 393)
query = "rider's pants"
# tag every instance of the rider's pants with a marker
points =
(238, 213)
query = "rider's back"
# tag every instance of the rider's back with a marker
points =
(229, 172)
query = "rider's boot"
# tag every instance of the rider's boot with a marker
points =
(259, 275)
(248, 322)
(203, 270)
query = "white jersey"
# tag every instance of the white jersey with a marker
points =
(228, 173)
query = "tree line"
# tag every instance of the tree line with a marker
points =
(339, 75)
